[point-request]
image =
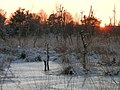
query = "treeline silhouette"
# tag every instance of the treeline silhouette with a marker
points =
(61, 23)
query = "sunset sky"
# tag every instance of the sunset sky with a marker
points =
(103, 8)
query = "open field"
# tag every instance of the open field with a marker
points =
(29, 74)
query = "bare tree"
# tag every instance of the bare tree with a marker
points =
(46, 60)
(87, 32)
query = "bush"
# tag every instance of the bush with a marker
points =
(23, 55)
(38, 58)
(67, 70)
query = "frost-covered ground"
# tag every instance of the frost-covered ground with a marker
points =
(29, 74)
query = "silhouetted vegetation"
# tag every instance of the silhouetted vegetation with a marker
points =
(23, 23)
(2, 22)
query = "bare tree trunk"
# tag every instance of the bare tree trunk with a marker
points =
(46, 62)
(35, 41)
(45, 66)
(70, 39)
(19, 37)
(47, 57)
(85, 50)
(84, 60)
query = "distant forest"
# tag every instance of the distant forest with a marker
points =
(23, 23)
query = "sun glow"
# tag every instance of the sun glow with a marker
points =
(72, 6)
(102, 25)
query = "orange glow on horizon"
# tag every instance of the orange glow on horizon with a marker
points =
(101, 8)
(102, 25)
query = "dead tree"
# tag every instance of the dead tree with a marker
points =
(85, 49)
(47, 57)
(46, 62)
(87, 32)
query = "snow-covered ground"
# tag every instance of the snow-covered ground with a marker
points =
(29, 74)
